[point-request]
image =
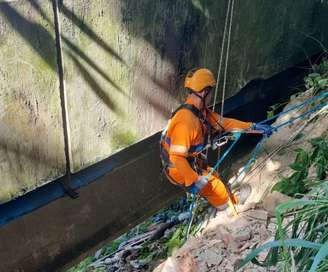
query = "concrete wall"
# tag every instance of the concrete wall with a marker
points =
(125, 59)
(31, 137)
(123, 63)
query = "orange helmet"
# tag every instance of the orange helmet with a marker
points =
(198, 79)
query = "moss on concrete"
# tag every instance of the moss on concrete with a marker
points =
(121, 139)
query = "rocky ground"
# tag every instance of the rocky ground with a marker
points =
(227, 239)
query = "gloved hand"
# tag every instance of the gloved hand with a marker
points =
(267, 130)
(198, 185)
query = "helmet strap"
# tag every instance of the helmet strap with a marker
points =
(202, 98)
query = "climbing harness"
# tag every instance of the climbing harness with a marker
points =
(163, 153)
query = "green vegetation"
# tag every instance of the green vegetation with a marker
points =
(179, 236)
(168, 244)
(275, 108)
(320, 156)
(299, 183)
(300, 244)
(301, 241)
(295, 183)
(318, 80)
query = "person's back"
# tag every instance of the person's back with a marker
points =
(185, 138)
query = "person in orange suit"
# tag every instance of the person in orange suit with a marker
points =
(186, 136)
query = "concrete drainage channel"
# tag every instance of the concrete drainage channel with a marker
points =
(141, 248)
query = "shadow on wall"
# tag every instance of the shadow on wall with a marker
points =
(41, 39)
(180, 31)
(178, 41)
(184, 34)
(189, 33)
(36, 35)
(44, 44)
(175, 29)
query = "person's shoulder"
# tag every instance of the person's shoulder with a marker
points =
(185, 115)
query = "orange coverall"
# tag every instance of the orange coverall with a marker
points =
(185, 137)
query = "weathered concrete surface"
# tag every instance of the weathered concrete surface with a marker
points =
(124, 60)
(31, 141)
(66, 228)
(102, 62)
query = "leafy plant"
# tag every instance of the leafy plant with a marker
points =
(301, 240)
(296, 182)
(112, 247)
(302, 243)
(176, 240)
(82, 266)
(318, 80)
(320, 156)
(275, 108)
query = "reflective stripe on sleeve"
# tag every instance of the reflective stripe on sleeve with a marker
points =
(178, 149)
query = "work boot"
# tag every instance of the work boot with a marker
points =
(242, 193)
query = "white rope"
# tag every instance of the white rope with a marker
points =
(229, 16)
(226, 63)
(221, 55)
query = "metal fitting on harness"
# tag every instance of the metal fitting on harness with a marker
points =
(220, 141)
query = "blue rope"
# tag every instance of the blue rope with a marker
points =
(192, 205)
(321, 105)
(237, 136)
(258, 146)
(253, 156)
(307, 102)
